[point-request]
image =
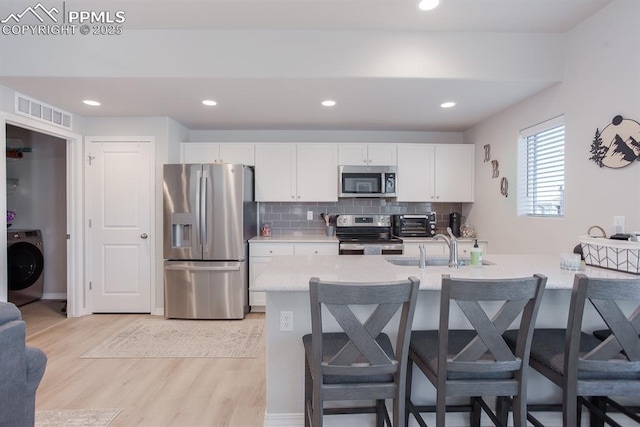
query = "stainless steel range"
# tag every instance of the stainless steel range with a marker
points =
(367, 235)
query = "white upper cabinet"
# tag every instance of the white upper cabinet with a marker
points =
(275, 173)
(453, 177)
(435, 173)
(367, 154)
(238, 153)
(296, 172)
(415, 173)
(211, 152)
(199, 152)
(317, 172)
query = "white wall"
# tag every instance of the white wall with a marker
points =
(602, 79)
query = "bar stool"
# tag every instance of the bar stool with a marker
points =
(358, 363)
(477, 362)
(584, 366)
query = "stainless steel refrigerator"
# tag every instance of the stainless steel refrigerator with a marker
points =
(209, 215)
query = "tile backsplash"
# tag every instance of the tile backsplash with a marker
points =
(291, 218)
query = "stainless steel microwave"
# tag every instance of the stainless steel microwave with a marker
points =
(367, 181)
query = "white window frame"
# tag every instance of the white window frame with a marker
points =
(541, 177)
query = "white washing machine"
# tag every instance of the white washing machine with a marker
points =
(25, 266)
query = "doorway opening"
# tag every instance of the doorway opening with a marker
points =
(36, 196)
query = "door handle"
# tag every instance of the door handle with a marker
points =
(144, 236)
(192, 268)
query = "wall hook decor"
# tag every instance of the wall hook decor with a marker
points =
(494, 168)
(487, 152)
(504, 186)
(618, 145)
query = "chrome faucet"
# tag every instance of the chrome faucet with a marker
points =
(452, 243)
(423, 256)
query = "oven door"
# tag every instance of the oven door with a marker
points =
(371, 249)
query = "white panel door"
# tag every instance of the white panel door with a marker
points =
(119, 197)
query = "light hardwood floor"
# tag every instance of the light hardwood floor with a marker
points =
(151, 392)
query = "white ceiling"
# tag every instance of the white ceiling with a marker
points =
(250, 100)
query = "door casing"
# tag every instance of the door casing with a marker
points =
(76, 297)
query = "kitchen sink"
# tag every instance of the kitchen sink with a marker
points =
(431, 261)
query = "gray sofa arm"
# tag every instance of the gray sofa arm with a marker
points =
(21, 369)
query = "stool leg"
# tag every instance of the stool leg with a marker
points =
(380, 413)
(502, 409)
(476, 412)
(308, 392)
(600, 403)
(408, 391)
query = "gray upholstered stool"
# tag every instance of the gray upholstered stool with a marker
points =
(584, 366)
(478, 362)
(358, 363)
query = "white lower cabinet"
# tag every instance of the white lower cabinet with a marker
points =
(261, 254)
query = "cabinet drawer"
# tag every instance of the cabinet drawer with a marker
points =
(316, 249)
(271, 249)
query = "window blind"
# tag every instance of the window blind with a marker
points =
(541, 170)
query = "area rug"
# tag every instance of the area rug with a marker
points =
(184, 338)
(76, 417)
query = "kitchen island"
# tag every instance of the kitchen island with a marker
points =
(285, 280)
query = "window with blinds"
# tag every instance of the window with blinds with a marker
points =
(541, 170)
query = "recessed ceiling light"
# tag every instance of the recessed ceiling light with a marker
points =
(209, 102)
(428, 4)
(92, 103)
(329, 103)
(448, 104)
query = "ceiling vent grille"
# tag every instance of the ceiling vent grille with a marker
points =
(35, 109)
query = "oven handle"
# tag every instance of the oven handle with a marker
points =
(351, 246)
(392, 246)
(359, 247)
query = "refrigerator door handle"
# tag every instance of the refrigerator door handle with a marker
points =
(203, 212)
(198, 211)
(186, 267)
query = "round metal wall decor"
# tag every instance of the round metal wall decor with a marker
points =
(618, 145)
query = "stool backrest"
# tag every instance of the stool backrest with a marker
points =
(362, 355)
(620, 352)
(488, 352)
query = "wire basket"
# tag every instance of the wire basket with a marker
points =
(619, 255)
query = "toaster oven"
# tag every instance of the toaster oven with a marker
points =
(418, 225)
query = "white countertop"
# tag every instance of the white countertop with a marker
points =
(292, 273)
(292, 238)
(295, 238)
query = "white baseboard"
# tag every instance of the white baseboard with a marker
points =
(48, 295)
(549, 419)
(283, 420)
